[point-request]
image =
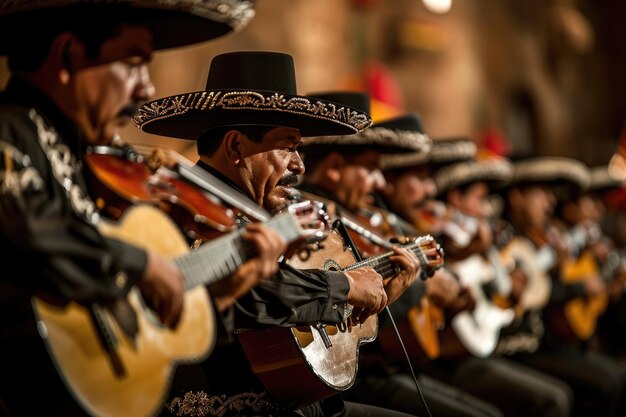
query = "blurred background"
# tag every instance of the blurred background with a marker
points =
(532, 77)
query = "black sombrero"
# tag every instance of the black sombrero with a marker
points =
(174, 23)
(399, 135)
(249, 88)
(551, 171)
(496, 172)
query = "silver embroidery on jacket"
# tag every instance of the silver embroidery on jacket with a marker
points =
(17, 175)
(200, 404)
(64, 168)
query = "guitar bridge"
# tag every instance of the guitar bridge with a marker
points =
(321, 329)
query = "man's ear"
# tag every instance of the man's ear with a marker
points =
(232, 146)
(516, 200)
(454, 197)
(334, 162)
(68, 55)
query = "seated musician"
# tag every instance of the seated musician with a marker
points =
(248, 124)
(74, 84)
(465, 185)
(604, 191)
(530, 201)
(410, 194)
(384, 379)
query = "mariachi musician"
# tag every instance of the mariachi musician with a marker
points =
(491, 381)
(384, 378)
(248, 125)
(74, 85)
(605, 190)
(530, 202)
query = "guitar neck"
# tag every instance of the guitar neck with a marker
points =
(221, 257)
(384, 266)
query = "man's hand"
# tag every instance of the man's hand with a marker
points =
(410, 265)
(162, 286)
(442, 290)
(269, 247)
(519, 280)
(367, 293)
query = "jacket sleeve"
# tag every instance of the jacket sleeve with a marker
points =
(294, 297)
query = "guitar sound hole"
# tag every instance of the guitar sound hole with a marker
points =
(331, 265)
(149, 313)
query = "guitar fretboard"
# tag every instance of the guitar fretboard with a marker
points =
(384, 267)
(221, 257)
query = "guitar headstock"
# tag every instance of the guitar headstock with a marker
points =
(313, 219)
(429, 252)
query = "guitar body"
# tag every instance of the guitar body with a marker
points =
(539, 285)
(294, 364)
(582, 313)
(149, 361)
(420, 332)
(478, 331)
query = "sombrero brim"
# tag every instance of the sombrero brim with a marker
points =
(444, 151)
(173, 23)
(383, 140)
(495, 173)
(553, 171)
(602, 180)
(187, 116)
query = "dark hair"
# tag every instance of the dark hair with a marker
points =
(211, 139)
(93, 24)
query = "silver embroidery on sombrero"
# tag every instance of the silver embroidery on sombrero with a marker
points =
(401, 139)
(249, 100)
(464, 172)
(200, 404)
(235, 13)
(552, 169)
(444, 151)
(403, 160)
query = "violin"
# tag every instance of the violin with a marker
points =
(122, 177)
(202, 205)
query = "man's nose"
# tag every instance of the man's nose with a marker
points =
(430, 187)
(295, 164)
(144, 90)
(379, 179)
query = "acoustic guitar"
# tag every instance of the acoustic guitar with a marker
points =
(582, 313)
(535, 263)
(112, 372)
(477, 331)
(304, 364)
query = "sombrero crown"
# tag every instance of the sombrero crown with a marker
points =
(174, 23)
(249, 88)
(402, 134)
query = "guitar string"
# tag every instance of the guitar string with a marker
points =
(408, 360)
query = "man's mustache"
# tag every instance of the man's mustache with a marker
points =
(130, 110)
(288, 179)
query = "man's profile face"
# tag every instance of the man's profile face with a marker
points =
(269, 168)
(109, 89)
(409, 193)
(359, 178)
(473, 201)
(537, 205)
